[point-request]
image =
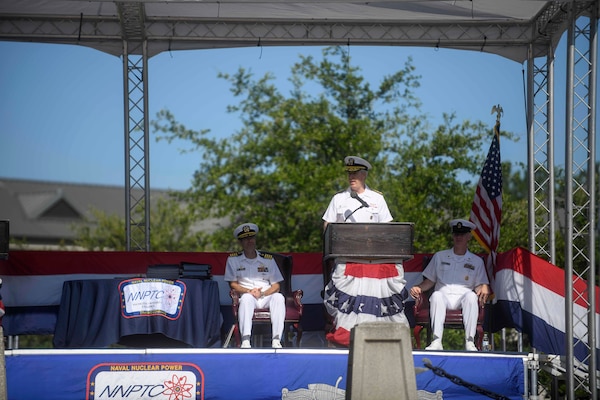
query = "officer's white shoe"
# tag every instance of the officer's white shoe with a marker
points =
(436, 344)
(470, 346)
(276, 344)
(246, 344)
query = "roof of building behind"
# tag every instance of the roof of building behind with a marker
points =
(42, 211)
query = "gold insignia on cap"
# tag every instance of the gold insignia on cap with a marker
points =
(351, 166)
(246, 231)
(354, 163)
(354, 168)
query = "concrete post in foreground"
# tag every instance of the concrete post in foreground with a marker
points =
(380, 363)
(3, 389)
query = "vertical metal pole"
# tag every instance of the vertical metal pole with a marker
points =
(531, 185)
(541, 174)
(530, 151)
(137, 160)
(146, 147)
(550, 187)
(569, 351)
(127, 152)
(532, 192)
(592, 333)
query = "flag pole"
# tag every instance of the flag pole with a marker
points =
(486, 211)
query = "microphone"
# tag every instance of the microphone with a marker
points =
(363, 204)
(354, 195)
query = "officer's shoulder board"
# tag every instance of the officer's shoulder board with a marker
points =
(265, 255)
(377, 191)
(236, 254)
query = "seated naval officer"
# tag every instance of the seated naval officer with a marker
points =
(255, 276)
(460, 281)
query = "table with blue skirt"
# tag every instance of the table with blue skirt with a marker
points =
(98, 313)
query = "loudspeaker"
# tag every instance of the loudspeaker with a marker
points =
(4, 239)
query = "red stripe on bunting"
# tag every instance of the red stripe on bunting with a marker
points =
(22, 262)
(377, 271)
(543, 273)
(122, 262)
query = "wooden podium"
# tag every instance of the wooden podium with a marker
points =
(367, 243)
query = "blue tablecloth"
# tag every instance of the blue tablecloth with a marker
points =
(91, 316)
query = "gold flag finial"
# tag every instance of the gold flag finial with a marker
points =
(498, 110)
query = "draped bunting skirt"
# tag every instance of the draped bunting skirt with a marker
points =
(359, 293)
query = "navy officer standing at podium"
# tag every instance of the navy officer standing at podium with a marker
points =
(255, 276)
(360, 291)
(357, 203)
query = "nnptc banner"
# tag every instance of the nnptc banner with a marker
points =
(152, 297)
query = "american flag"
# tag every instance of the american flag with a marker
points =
(486, 212)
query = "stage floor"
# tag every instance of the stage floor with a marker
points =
(297, 373)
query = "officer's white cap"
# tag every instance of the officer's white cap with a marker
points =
(355, 163)
(245, 230)
(461, 226)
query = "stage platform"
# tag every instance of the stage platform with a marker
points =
(261, 374)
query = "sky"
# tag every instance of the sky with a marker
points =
(61, 106)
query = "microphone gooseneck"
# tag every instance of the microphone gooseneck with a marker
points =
(355, 195)
(363, 204)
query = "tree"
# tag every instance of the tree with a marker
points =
(100, 232)
(579, 211)
(281, 169)
(172, 229)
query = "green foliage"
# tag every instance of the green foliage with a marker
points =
(425, 183)
(580, 213)
(100, 232)
(282, 167)
(172, 229)
(35, 342)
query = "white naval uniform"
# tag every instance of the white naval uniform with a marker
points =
(251, 273)
(455, 278)
(343, 208)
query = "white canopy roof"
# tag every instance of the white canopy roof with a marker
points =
(505, 27)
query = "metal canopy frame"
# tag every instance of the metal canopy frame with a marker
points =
(521, 30)
(514, 29)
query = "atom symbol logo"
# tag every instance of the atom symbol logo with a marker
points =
(178, 388)
(170, 296)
